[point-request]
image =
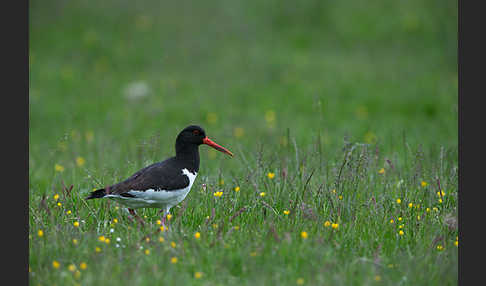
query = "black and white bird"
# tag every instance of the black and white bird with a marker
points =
(163, 184)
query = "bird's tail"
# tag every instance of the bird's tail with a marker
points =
(96, 194)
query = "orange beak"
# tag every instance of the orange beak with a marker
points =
(209, 142)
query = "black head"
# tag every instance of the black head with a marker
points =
(192, 136)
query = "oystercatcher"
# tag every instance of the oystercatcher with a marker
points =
(163, 184)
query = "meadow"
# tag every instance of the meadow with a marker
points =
(342, 117)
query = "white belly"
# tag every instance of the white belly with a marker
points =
(155, 199)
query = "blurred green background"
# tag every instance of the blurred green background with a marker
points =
(127, 72)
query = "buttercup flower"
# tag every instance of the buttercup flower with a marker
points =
(58, 168)
(271, 175)
(80, 161)
(55, 264)
(304, 235)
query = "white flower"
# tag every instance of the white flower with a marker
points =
(118, 239)
(136, 90)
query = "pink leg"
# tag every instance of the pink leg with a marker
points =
(139, 219)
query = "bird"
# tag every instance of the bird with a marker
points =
(163, 184)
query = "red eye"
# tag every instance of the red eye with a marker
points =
(195, 132)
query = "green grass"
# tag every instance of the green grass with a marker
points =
(351, 87)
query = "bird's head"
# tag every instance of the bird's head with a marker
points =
(196, 135)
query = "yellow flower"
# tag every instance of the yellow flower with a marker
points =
(197, 235)
(55, 264)
(212, 118)
(286, 212)
(147, 252)
(441, 193)
(76, 224)
(173, 244)
(271, 175)
(218, 194)
(401, 232)
(89, 135)
(169, 217)
(59, 204)
(56, 197)
(68, 212)
(58, 168)
(401, 226)
(115, 220)
(300, 281)
(335, 225)
(159, 222)
(327, 223)
(198, 275)
(377, 278)
(400, 218)
(80, 161)
(435, 209)
(237, 189)
(236, 227)
(72, 267)
(40, 233)
(456, 243)
(238, 132)
(381, 171)
(262, 194)
(161, 239)
(340, 197)
(215, 225)
(304, 235)
(427, 209)
(399, 201)
(270, 116)
(333, 191)
(392, 221)
(440, 247)
(173, 260)
(424, 184)
(410, 205)
(418, 217)
(440, 201)
(97, 249)
(107, 241)
(75, 241)
(101, 238)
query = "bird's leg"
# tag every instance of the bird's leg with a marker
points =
(139, 219)
(164, 217)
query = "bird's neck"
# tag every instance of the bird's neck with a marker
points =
(188, 155)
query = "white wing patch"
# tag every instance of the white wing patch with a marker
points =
(156, 199)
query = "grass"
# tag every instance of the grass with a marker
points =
(324, 95)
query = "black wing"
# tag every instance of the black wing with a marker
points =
(166, 175)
